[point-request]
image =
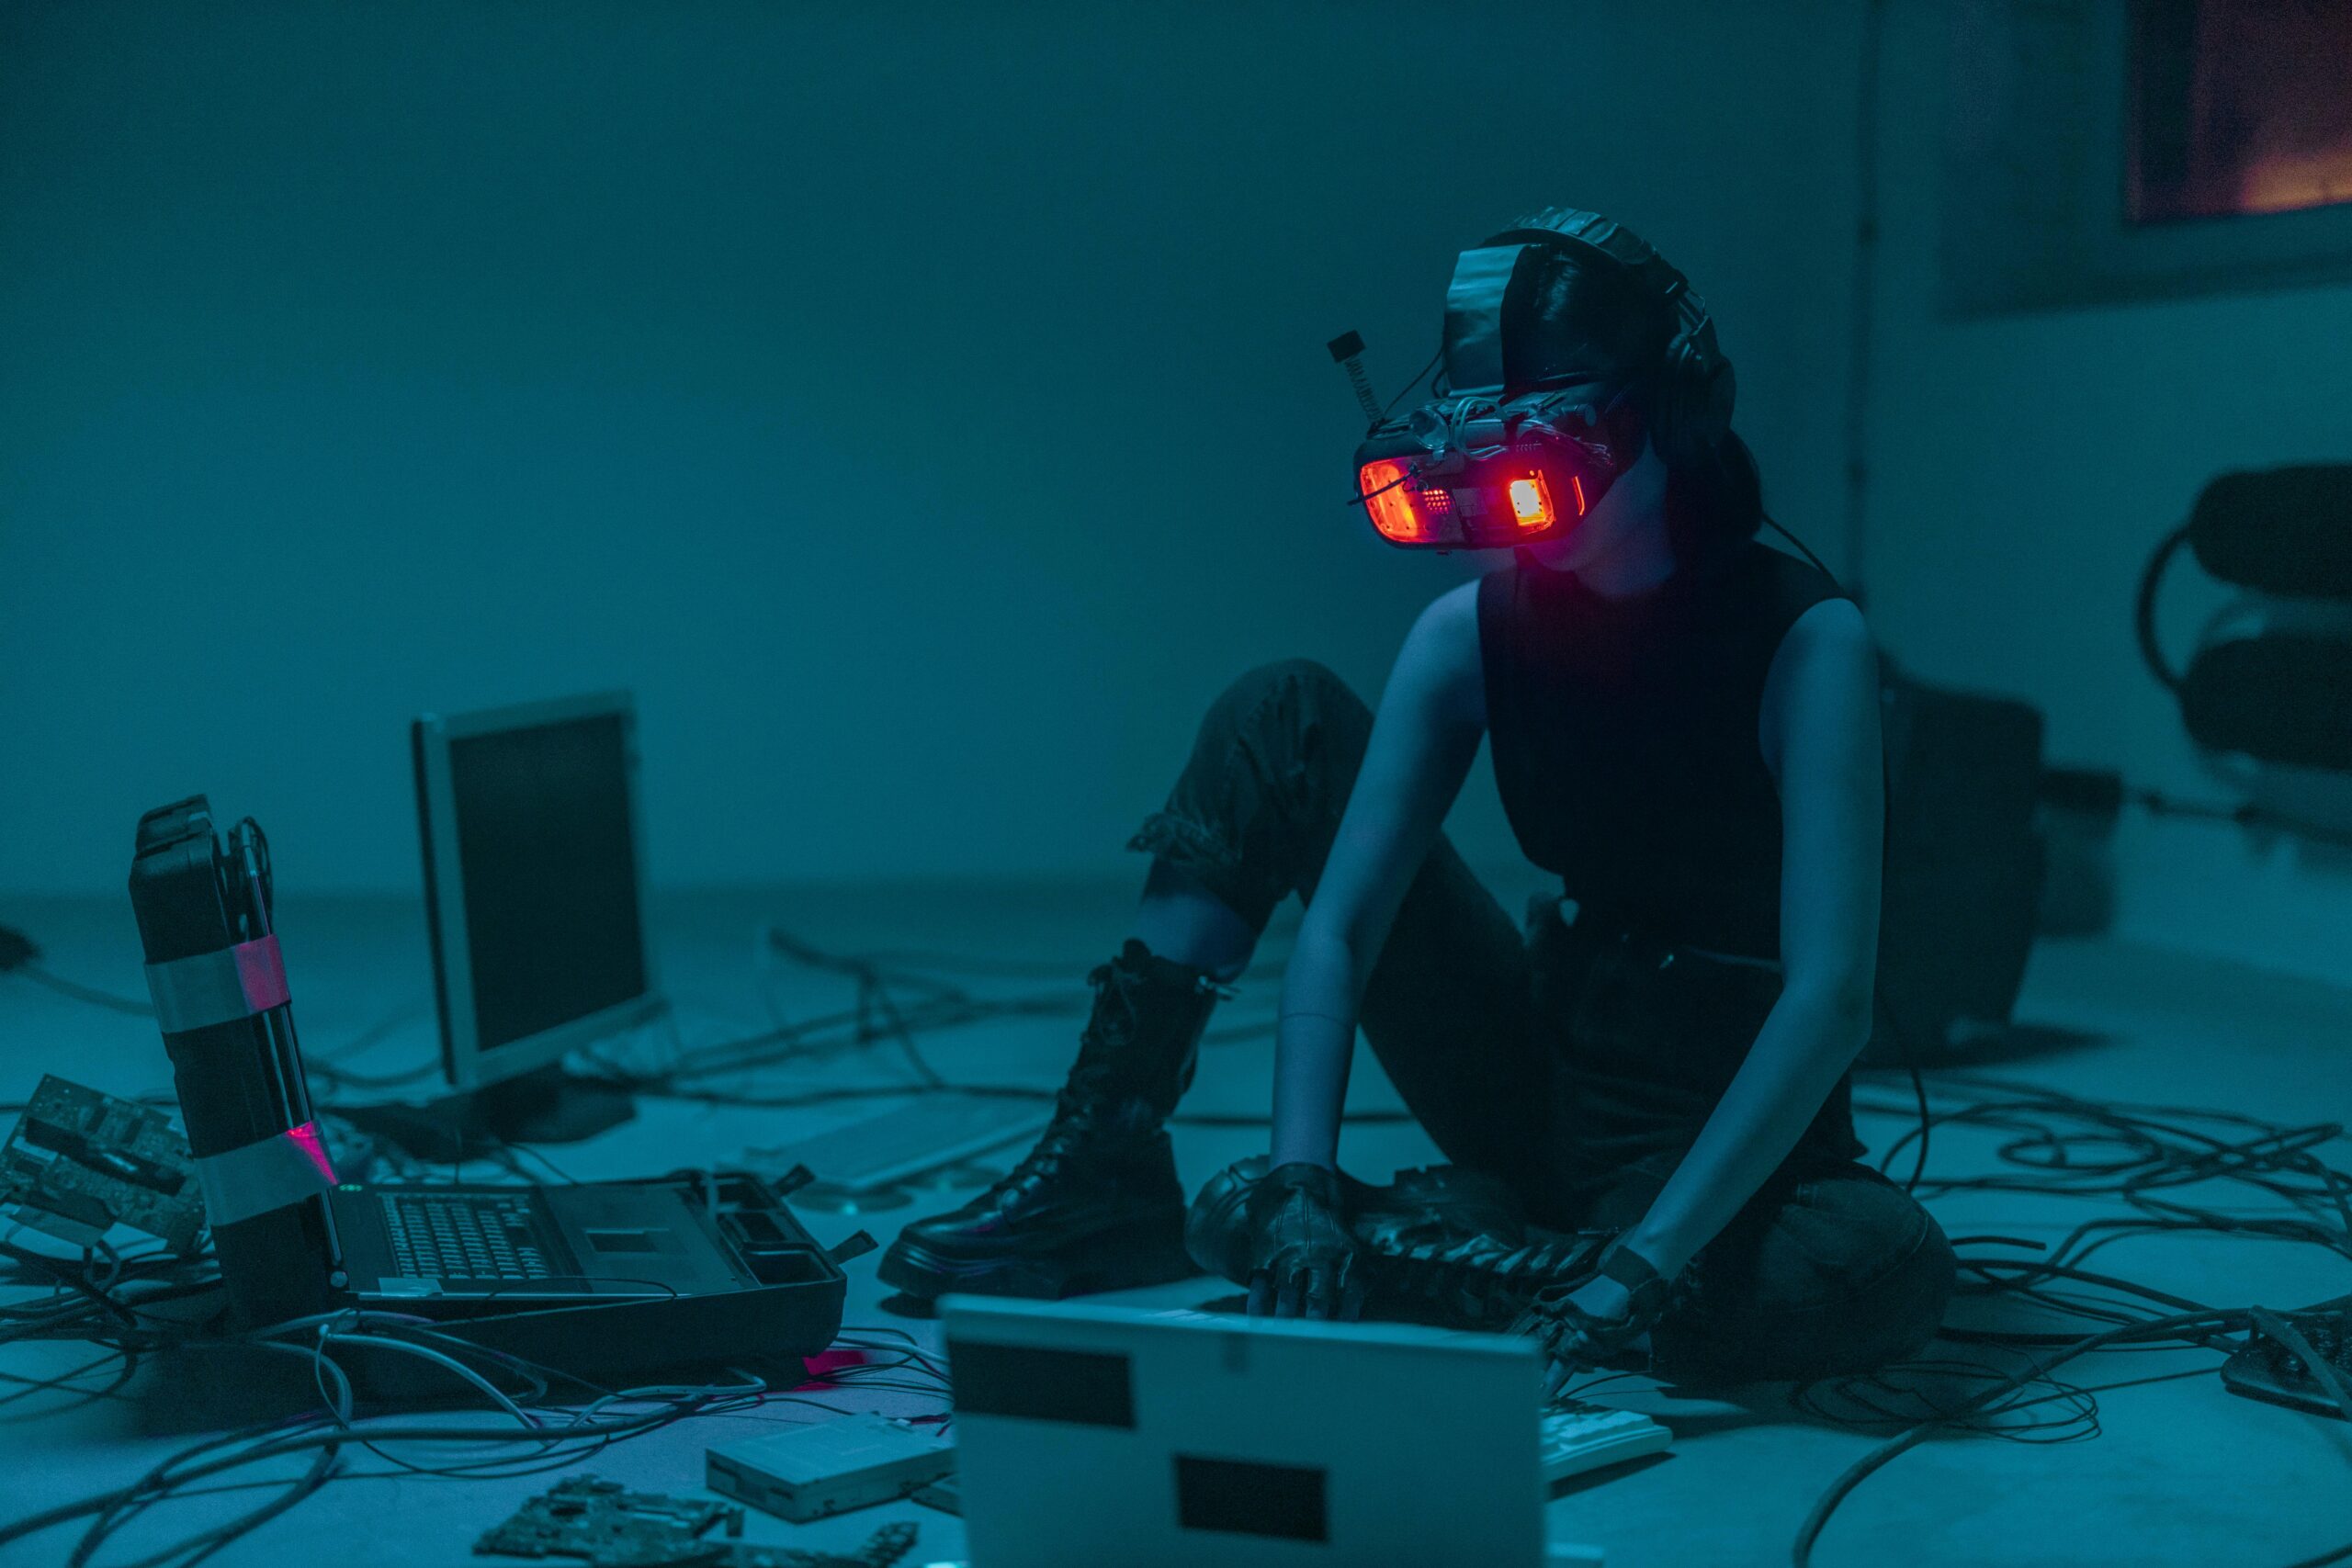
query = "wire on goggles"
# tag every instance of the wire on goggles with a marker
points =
(1446, 430)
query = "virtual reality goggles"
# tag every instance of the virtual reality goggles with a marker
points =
(1483, 465)
(1477, 471)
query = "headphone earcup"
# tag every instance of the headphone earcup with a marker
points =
(1693, 405)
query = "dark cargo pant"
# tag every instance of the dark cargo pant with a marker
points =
(1561, 1059)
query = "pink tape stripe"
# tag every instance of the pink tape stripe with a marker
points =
(261, 971)
(306, 1138)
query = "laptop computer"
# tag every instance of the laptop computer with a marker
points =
(461, 1247)
(1088, 1435)
(606, 1281)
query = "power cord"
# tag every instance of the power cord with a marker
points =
(19, 955)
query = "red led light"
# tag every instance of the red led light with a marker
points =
(1577, 480)
(1390, 498)
(1531, 502)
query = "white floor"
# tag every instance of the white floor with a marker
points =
(2183, 1473)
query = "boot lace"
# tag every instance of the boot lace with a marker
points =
(1085, 1095)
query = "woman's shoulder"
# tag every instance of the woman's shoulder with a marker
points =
(1447, 628)
(1441, 653)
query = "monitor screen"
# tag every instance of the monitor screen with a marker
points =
(548, 864)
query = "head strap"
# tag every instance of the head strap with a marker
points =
(1577, 232)
(1474, 318)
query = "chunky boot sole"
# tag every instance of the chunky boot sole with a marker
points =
(1146, 1250)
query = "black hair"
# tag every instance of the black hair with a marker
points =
(1565, 315)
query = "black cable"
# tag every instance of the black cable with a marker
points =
(945, 1005)
(75, 1279)
(587, 1433)
(1926, 1121)
(1817, 1518)
(1409, 386)
(81, 993)
(2061, 1144)
(2143, 614)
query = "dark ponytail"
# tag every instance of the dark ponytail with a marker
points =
(1714, 503)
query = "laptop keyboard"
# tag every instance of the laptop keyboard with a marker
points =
(470, 1235)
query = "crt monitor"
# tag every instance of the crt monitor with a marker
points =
(534, 888)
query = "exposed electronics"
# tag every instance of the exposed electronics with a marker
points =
(606, 1525)
(830, 1467)
(587, 1516)
(608, 1279)
(865, 1165)
(1089, 1433)
(80, 1162)
(2263, 1367)
(534, 893)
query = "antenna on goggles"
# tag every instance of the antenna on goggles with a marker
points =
(1347, 351)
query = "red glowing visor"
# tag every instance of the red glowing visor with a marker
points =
(1474, 473)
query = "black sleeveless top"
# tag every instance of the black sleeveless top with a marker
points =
(1625, 735)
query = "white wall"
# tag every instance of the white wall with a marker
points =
(2022, 469)
(923, 407)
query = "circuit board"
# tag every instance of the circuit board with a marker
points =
(2263, 1369)
(609, 1527)
(80, 1161)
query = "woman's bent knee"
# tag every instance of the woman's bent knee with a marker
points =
(1313, 690)
(1850, 1274)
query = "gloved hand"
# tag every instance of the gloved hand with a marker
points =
(1584, 1325)
(1304, 1261)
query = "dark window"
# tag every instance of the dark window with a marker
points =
(2239, 106)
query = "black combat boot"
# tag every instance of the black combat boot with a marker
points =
(1096, 1205)
(1443, 1245)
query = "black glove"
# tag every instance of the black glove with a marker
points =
(1576, 1338)
(1304, 1261)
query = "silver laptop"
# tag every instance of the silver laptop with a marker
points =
(1090, 1435)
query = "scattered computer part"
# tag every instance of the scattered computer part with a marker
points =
(1088, 1433)
(80, 1162)
(614, 1282)
(830, 1467)
(2262, 1367)
(535, 896)
(606, 1525)
(1580, 1436)
(946, 1494)
(202, 899)
(617, 1281)
(865, 1165)
(610, 1526)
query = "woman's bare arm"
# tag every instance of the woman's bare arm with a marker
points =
(1431, 718)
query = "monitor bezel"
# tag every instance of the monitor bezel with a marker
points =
(464, 1062)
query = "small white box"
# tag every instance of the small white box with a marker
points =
(831, 1467)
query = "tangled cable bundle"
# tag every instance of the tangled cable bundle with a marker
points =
(2148, 1160)
(2059, 1144)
